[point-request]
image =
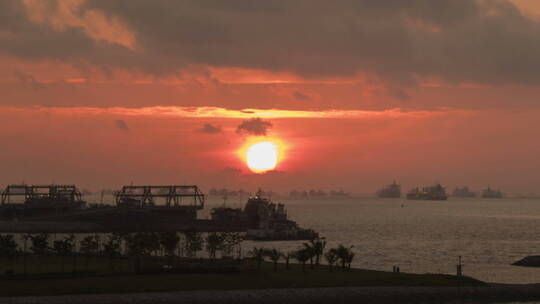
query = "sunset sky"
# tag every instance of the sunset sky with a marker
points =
(357, 93)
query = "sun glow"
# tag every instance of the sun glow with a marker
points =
(262, 155)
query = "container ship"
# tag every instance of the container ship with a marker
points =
(436, 193)
(391, 191)
(491, 193)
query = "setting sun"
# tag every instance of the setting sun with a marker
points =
(262, 156)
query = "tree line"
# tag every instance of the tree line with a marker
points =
(186, 244)
(189, 244)
(312, 252)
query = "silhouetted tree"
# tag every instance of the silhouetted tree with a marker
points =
(331, 257)
(64, 248)
(8, 246)
(317, 247)
(345, 255)
(274, 255)
(258, 254)
(40, 243)
(214, 242)
(287, 256)
(302, 256)
(193, 242)
(232, 241)
(311, 252)
(169, 241)
(142, 244)
(112, 248)
(89, 247)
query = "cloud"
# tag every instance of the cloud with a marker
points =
(121, 124)
(210, 129)
(397, 42)
(301, 96)
(255, 126)
(29, 80)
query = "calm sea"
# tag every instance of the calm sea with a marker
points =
(427, 236)
(421, 236)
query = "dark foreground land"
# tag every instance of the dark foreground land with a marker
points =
(243, 277)
(332, 295)
(245, 283)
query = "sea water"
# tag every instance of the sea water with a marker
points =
(420, 236)
(425, 236)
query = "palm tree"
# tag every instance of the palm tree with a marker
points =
(311, 252)
(258, 254)
(331, 257)
(287, 256)
(345, 255)
(317, 245)
(274, 255)
(302, 256)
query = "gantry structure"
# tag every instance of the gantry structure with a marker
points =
(168, 196)
(66, 193)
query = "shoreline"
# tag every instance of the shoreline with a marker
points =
(387, 294)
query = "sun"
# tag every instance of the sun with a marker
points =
(262, 155)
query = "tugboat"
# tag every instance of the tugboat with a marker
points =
(491, 193)
(435, 193)
(391, 191)
(463, 192)
(265, 220)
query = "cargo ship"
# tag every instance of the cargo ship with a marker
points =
(391, 191)
(265, 220)
(491, 193)
(463, 192)
(436, 193)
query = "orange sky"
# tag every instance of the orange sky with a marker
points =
(107, 93)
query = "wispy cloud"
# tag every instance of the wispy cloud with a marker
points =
(216, 112)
